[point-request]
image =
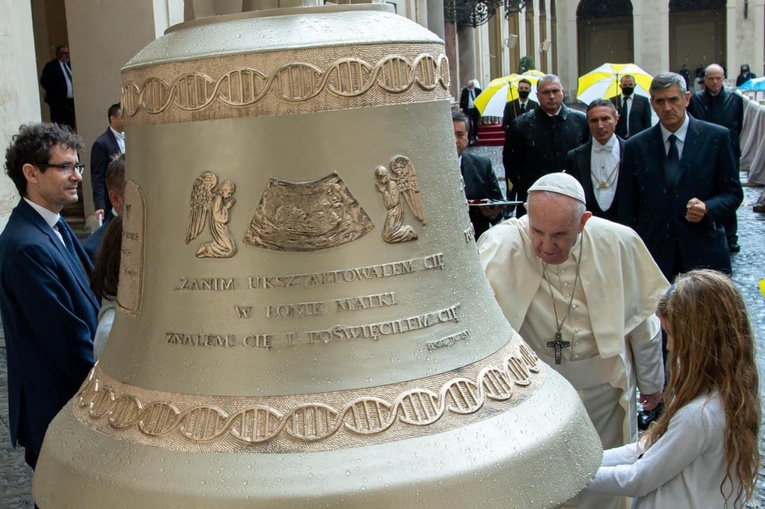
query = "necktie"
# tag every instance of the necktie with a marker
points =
(673, 161)
(68, 71)
(602, 148)
(523, 108)
(625, 116)
(66, 234)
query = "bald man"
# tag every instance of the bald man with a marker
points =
(716, 105)
(582, 292)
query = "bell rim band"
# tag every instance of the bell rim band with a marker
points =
(310, 422)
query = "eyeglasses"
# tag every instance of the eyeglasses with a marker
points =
(66, 168)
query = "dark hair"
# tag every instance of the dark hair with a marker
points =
(106, 270)
(524, 80)
(115, 174)
(113, 110)
(602, 102)
(458, 116)
(33, 144)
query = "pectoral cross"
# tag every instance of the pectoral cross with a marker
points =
(558, 345)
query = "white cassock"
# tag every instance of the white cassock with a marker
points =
(614, 334)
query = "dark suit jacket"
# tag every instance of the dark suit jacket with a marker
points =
(656, 208)
(578, 164)
(465, 98)
(640, 116)
(49, 316)
(536, 144)
(104, 148)
(53, 82)
(725, 109)
(513, 110)
(93, 242)
(480, 183)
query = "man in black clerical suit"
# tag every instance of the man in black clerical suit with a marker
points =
(537, 143)
(596, 163)
(56, 80)
(480, 180)
(469, 94)
(518, 107)
(634, 110)
(716, 105)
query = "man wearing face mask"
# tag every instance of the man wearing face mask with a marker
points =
(634, 110)
(745, 75)
(519, 106)
(718, 106)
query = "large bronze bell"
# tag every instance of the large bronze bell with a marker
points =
(303, 320)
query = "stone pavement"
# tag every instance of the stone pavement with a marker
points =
(748, 268)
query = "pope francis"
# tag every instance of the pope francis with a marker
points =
(582, 292)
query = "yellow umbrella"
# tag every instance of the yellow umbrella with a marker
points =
(534, 73)
(491, 102)
(603, 82)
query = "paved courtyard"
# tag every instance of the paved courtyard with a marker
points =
(748, 267)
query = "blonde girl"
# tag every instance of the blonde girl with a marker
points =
(703, 451)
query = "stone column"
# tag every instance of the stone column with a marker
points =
(548, 31)
(504, 52)
(535, 51)
(651, 53)
(452, 52)
(568, 61)
(436, 18)
(522, 34)
(18, 88)
(747, 36)
(757, 13)
(466, 48)
(115, 32)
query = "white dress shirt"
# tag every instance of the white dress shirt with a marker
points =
(604, 168)
(67, 73)
(679, 134)
(120, 139)
(49, 217)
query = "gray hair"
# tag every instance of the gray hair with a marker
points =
(665, 80)
(548, 77)
(602, 102)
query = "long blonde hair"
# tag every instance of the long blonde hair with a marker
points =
(713, 350)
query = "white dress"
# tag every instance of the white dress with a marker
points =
(105, 321)
(683, 469)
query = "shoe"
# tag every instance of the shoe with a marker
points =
(759, 207)
(734, 247)
(644, 419)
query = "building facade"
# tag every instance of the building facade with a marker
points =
(565, 37)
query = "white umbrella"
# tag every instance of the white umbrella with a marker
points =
(491, 102)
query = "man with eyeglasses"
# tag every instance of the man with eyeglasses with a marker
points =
(49, 313)
(537, 143)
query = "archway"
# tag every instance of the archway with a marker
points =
(696, 33)
(605, 33)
